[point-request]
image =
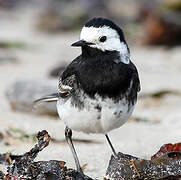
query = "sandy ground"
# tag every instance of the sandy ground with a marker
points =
(159, 69)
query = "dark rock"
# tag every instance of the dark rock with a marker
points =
(22, 94)
(120, 167)
(24, 166)
(166, 164)
(2, 175)
(169, 149)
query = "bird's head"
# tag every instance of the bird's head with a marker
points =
(104, 35)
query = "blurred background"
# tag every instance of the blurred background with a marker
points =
(35, 39)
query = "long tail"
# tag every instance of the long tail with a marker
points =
(47, 98)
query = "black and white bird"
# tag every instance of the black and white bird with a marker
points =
(97, 92)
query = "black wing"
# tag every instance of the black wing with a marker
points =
(135, 76)
(68, 80)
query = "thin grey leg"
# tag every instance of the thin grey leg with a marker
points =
(114, 152)
(68, 136)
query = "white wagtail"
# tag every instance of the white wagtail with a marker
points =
(97, 92)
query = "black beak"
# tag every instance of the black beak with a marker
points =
(82, 43)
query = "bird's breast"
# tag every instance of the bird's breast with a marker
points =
(104, 78)
(97, 116)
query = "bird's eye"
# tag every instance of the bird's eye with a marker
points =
(102, 39)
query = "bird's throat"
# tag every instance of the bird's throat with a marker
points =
(88, 51)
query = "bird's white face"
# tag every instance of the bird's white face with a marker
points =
(105, 38)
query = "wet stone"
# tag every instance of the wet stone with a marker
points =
(166, 165)
(24, 166)
(23, 93)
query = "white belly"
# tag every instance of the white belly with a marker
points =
(91, 120)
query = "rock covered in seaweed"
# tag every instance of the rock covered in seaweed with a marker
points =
(165, 164)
